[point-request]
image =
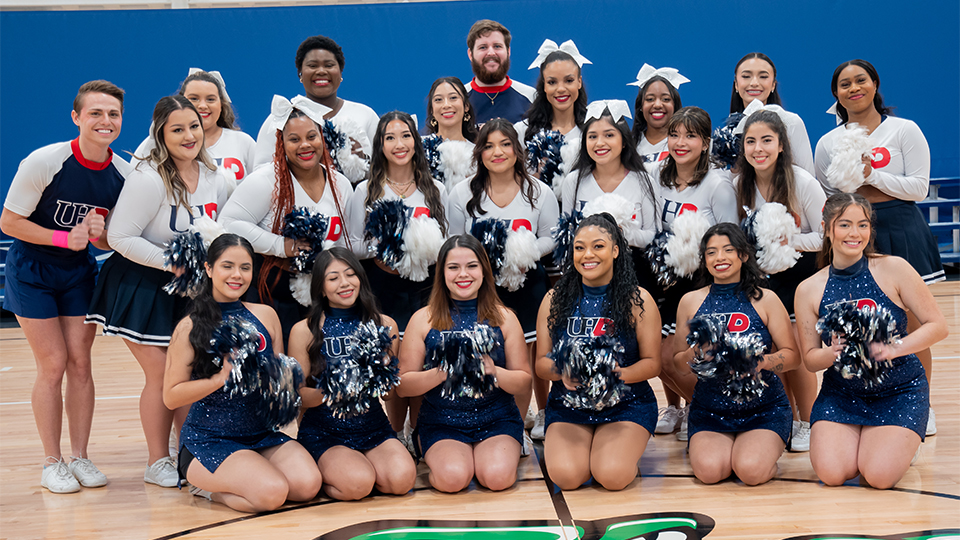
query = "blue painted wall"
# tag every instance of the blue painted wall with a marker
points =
(394, 51)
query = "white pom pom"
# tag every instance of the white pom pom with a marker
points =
(209, 229)
(520, 254)
(421, 242)
(300, 288)
(353, 166)
(353, 130)
(683, 248)
(773, 225)
(568, 157)
(621, 209)
(846, 164)
(456, 162)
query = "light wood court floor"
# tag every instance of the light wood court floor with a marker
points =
(794, 505)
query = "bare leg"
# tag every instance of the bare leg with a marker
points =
(567, 454)
(834, 450)
(495, 461)
(615, 453)
(155, 417)
(80, 388)
(541, 387)
(885, 454)
(397, 412)
(347, 474)
(801, 387)
(296, 464)
(755, 455)
(711, 456)
(50, 354)
(245, 481)
(451, 465)
(396, 472)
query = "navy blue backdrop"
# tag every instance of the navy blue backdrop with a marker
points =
(394, 52)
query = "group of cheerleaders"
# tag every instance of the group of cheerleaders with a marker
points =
(663, 165)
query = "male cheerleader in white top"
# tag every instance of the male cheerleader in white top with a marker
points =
(55, 208)
(492, 93)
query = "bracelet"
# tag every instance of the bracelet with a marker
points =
(60, 239)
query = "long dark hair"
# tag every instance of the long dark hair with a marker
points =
(629, 157)
(623, 292)
(874, 76)
(205, 312)
(639, 122)
(835, 206)
(228, 117)
(421, 169)
(529, 189)
(489, 306)
(540, 114)
(367, 307)
(751, 276)
(696, 120)
(783, 184)
(736, 102)
(468, 127)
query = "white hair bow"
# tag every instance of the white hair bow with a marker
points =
(754, 106)
(833, 110)
(648, 72)
(550, 46)
(216, 75)
(281, 108)
(618, 109)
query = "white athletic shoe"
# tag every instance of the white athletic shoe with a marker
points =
(931, 423)
(87, 473)
(683, 414)
(527, 448)
(538, 431)
(162, 473)
(530, 419)
(669, 420)
(58, 479)
(800, 438)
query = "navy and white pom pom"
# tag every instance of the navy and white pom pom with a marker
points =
(385, 225)
(675, 254)
(492, 233)
(563, 236)
(591, 363)
(431, 146)
(185, 252)
(304, 224)
(543, 154)
(656, 254)
(460, 356)
(730, 358)
(351, 386)
(408, 245)
(339, 139)
(860, 328)
(726, 146)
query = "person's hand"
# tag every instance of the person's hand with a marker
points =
(95, 224)
(837, 343)
(490, 369)
(221, 376)
(293, 247)
(570, 384)
(884, 352)
(867, 166)
(78, 237)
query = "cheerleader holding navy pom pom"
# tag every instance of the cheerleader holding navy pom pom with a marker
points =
(174, 186)
(228, 452)
(354, 453)
(598, 296)
(657, 100)
(727, 436)
(462, 436)
(451, 123)
(873, 430)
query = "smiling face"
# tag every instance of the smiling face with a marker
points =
(206, 98)
(99, 119)
(320, 74)
(398, 143)
(302, 143)
(855, 89)
(761, 147)
(490, 58)
(685, 146)
(604, 142)
(463, 274)
(593, 254)
(231, 274)
(562, 83)
(658, 105)
(754, 80)
(447, 106)
(341, 285)
(499, 155)
(183, 135)
(722, 260)
(850, 233)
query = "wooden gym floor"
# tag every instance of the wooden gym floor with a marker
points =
(666, 500)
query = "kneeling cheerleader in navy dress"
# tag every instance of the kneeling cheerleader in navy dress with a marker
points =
(465, 354)
(349, 350)
(740, 417)
(871, 414)
(598, 338)
(225, 362)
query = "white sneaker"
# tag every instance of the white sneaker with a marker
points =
(800, 436)
(527, 448)
(683, 414)
(162, 473)
(931, 423)
(669, 419)
(530, 419)
(197, 492)
(538, 431)
(86, 472)
(58, 479)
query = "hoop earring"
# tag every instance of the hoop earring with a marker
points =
(466, 117)
(432, 122)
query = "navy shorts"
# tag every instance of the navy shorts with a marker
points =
(39, 289)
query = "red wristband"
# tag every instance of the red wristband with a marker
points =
(60, 238)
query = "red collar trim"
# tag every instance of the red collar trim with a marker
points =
(92, 165)
(489, 89)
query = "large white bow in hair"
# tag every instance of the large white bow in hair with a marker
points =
(618, 109)
(754, 106)
(216, 75)
(550, 46)
(833, 110)
(281, 107)
(647, 72)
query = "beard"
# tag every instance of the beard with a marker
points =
(488, 77)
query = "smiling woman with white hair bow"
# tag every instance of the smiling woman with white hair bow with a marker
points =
(656, 102)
